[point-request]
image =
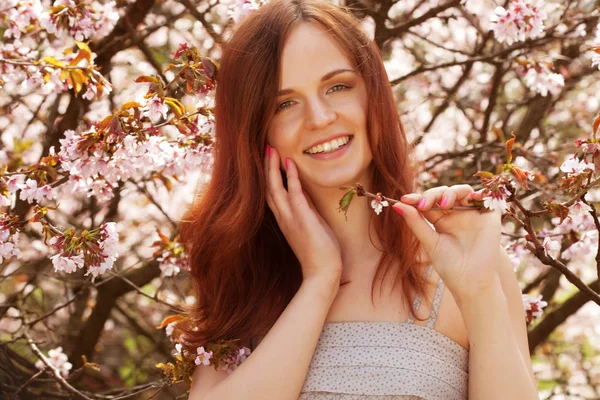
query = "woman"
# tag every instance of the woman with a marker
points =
(304, 106)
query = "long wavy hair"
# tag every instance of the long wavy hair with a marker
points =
(243, 270)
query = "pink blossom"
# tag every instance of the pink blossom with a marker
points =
(203, 357)
(550, 245)
(4, 201)
(30, 192)
(109, 241)
(541, 79)
(378, 204)
(533, 306)
(155, 106)
(67, 263)
(241, 9)
(523, 19)
(8, 244)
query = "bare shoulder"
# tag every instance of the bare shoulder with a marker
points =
(204, 379)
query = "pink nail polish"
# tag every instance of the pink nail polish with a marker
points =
(398, 210)
(444, 201)
(422, 203)
(287, 162)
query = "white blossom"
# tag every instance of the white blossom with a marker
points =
(573, 166)
(57, 359)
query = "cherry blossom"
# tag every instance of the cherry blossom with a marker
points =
(178, 349)
(574, 166)
(241, 8)
(109, 243)
(523, 19)
(203, 357)
(57, 359)
(533, 306)
(550, 246)
(378, 204)
(30, 192)
(540, 79)
(8, 243)
(170, 328)
(496, 198)
(155, 107)
(67, 263)
(233, 360)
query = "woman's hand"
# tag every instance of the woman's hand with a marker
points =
(463, 246)
(307, 233)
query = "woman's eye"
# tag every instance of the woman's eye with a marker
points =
(281, 106)
(342, 86)
(338, 87)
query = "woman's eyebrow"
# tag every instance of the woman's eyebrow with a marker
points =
(325, 77)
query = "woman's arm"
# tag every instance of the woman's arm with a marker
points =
(276, 370)
(498, 369)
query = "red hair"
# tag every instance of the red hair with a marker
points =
(243, 270)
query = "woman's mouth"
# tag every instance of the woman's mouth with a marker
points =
(331, 149)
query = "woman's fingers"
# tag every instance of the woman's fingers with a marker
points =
(269, 199)
(295, 192)
(275, 187)
(443, 197)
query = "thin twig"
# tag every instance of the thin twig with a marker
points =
(53, 369)
(361, 192)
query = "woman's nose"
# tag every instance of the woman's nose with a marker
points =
(319, 114)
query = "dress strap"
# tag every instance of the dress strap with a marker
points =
(417, 301)
(436, 304)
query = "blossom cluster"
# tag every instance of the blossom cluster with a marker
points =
(98, 169)
(8, 240)
(533, 306)
(31, 190)
(23, 71)
(521, 20)
(540, 78)
(83, 19)
(97, 249)
(58, 360)
(229, 361)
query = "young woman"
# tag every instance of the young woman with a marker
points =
(304, 106)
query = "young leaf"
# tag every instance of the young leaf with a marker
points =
(345, 202)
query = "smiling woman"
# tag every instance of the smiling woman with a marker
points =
(304, 106)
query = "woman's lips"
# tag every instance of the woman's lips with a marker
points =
(333, 154)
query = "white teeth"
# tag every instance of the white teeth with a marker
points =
(329, 146)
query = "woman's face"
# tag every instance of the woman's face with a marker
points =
(321, 99)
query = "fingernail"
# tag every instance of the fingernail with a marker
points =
(287, 162)
(444, 201)
(268, 150)
(398, 210)
(422, 203)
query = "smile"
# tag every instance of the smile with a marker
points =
(329, 147)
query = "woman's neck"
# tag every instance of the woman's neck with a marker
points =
(357, 250)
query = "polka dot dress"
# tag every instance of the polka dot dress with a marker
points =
(387, 361)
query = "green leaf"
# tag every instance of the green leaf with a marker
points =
(345, 202)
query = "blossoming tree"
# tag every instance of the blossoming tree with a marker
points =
(106, 122)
